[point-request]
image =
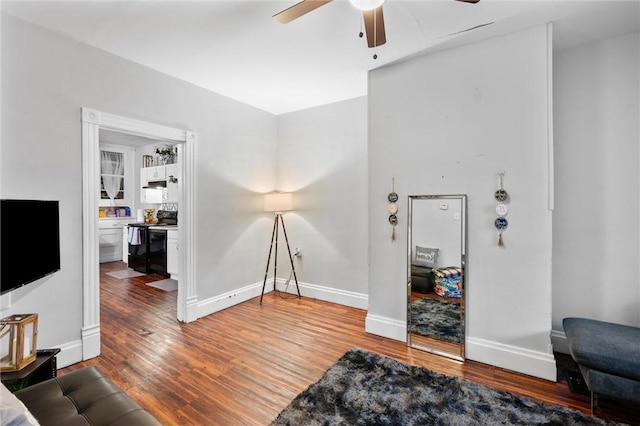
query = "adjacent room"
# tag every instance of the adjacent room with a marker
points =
(240, 212)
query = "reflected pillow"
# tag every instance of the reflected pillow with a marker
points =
(426, 257)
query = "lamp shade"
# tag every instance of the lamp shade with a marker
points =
(278, 202)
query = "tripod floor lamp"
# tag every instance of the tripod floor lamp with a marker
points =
(278, 202)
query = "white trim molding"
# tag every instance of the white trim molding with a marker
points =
(328, 294)
(92, 122)
(386, 327)
(521, 360)
(514, 358)
(559, 342)
(550, 140)
(70, 353)
(312, 291)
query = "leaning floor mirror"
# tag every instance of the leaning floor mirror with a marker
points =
(436, 275)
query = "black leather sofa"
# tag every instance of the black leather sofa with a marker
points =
(83, 397)
(421, 279)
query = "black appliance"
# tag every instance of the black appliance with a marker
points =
(29, 241)
(157, 254)
(148, 244)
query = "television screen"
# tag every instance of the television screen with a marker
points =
(29, 241)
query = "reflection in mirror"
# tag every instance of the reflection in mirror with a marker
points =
(436, 275)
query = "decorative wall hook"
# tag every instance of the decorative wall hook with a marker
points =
(392, 207)
(501, 197)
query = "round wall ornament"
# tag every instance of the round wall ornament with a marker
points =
(502, 210)
(501, 223)
(501, 195)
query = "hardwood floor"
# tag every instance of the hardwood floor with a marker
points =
(243, 365)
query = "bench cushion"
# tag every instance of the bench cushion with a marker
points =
(83, 397)
(603, 346)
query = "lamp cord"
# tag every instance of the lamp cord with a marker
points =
(286, 286)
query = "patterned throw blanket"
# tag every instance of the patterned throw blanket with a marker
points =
(447, 281)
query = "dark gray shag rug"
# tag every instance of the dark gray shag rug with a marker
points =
(363, 388)
(436, 318)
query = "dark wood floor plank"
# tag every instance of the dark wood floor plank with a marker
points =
(243, 365)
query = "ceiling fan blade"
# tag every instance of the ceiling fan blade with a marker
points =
(298, 9)
(469, 1)
(374, 27)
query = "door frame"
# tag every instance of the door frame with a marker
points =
(92, 121)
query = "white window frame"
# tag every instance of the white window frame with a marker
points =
(129, 180)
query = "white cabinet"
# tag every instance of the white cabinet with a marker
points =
(158, 173)
(125, 244)
(110, 239)
(155, 173)
(150, 195)
(143, 177)
(172, 253)
(110, 244)
(172, 172)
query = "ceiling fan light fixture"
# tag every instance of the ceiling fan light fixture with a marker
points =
(366, 4)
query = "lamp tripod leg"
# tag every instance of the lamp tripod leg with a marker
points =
(266, 272)
(275, 256)
(293, 269)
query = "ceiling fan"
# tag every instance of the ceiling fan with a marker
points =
(371, 12)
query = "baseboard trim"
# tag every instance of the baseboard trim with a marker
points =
(386, 327)
(559, 341)
(327, 294)
(226, 300)
(514, 358)
(191, 309)
(90, 342)
(70, 353)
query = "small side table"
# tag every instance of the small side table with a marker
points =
(43, 368)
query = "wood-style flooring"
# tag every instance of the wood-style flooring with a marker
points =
(243, 365)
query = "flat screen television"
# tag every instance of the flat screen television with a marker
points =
(29, 241)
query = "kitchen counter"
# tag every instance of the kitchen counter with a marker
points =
(163, 227)
(114, 222)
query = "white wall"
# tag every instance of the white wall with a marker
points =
(444, 123)
(433, 227)
(46, 79)
(596, 220)
(447, 123)
(322, 156)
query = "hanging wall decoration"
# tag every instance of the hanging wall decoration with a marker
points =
(392, 207)
(501, 197)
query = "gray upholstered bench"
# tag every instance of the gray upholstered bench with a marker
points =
(608, 355)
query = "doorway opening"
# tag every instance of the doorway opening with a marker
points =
(92, 122)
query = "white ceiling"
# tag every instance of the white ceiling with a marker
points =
(236, 49)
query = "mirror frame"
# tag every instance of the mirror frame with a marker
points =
(460, 356)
